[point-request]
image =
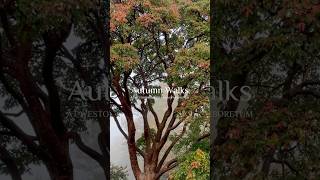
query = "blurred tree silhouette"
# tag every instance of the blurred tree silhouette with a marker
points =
(38, 70)
(273, 47)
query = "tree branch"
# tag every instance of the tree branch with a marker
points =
(207, 135)
(167, 114)
(167, 152)
(14, 114)
(118, 125)
(9, 161)
(169, 166)
(126, 109)
(86, 149)
(156, 118)
(22, 136)
(146, 127)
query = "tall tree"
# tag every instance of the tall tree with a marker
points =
(153, 42)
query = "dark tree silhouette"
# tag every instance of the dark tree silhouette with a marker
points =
(272, 47)
(37, 71)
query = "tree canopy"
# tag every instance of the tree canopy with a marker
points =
(156, 42)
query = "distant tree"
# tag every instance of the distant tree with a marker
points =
(118, 173)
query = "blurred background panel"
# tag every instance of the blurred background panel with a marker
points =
(54, 90)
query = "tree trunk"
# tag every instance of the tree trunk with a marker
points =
(148, 176)
(60, 170)
(149, 171)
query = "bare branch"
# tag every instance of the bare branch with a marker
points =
(167, 152)
(118, 124)
(167, 132)
(156, 118)
(136, 108)
(169, 166)
(167, 114)
(176, 125)
(14, 114)
(86, 149)
(131, 141)
(116, 104)
(21, 135)
(193, 38)
(146, 127)
(207, 135)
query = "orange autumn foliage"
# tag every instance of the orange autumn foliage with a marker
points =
(146, 13)
(146, 19)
